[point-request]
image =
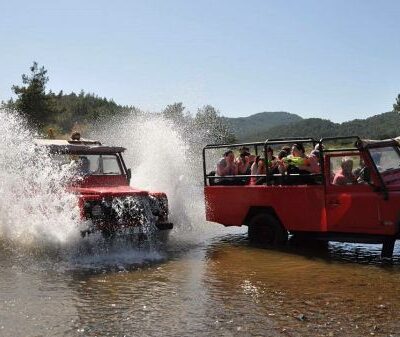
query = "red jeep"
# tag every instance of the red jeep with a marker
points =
(101, 181)
(312, 206)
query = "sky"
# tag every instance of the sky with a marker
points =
(328, 59)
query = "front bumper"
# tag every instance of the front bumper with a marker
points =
(117, 213)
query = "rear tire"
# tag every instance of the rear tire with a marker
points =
(265, 228)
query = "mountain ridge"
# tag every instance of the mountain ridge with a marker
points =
(260, 126)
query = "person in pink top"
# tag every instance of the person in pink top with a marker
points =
(345, 176)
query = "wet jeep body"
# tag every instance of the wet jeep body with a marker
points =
(106, 200)
(313, 207)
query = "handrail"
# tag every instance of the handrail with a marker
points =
(217, 146)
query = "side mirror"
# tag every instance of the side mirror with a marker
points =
(129, 175)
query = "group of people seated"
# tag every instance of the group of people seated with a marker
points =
(290, 160)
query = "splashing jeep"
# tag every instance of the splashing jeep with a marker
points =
(101, 181)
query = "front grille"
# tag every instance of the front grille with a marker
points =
(121, 212)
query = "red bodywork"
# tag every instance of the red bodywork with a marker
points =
(360, 209)
(99, 188)
(105, 196)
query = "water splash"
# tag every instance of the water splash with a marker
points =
(35, 209)
(164, 157)
(37, 212)
(137, 209)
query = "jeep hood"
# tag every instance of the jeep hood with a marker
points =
(112, 191)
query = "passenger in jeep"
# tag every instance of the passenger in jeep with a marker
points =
(226, 167)
(83, 166)
(243, 162)
(345, 176)
(258, 168)
(281, 165)
(297, 162)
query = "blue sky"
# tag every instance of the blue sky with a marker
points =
(330, 59)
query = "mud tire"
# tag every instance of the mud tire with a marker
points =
(265, 229)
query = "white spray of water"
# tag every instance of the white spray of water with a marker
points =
(161, 160)
(35, 207)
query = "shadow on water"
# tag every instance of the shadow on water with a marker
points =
(365, 254)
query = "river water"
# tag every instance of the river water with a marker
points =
(205, 280)
(198, 285)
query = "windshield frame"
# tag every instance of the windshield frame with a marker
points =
(115, 156)
(387, 172)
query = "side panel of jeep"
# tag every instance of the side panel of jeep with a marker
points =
(355, 197)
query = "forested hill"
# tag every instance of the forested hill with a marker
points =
(381, 126)
(62, 112)
(245, 127)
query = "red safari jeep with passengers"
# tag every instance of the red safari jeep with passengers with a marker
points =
(313, 206)
(101, 182)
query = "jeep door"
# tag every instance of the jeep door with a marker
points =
(352, 205)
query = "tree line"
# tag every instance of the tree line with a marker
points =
(62, 112)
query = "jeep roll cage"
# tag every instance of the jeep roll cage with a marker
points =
(84, 147)
(264, 145)
(341, 144)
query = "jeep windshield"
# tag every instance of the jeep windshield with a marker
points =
(387, 161)
(91, 164)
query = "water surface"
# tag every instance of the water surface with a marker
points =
(202, 284)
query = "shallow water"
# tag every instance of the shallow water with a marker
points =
(206, 280)
(199, 284)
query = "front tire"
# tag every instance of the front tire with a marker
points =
(265, 229)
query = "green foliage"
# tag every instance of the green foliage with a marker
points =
(213, 126)
(206, 127)
(32, 100)
(63, 111)
(85, 108)
(175, 112)
(59, 111)
(396, 106)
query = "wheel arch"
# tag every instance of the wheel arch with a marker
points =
(261, 209)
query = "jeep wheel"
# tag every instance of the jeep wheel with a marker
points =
(264, 228)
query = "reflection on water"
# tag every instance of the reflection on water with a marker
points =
(199, 285)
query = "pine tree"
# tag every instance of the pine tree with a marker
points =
(32, 100)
